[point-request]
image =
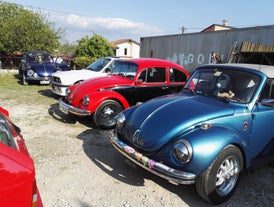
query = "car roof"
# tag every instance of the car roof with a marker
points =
(268, 70)
(143, 62)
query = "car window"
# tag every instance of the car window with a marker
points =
(152, 75)
(4, 134)
(35, 57)
(268, 90)
(113, 64)
(238, 85)
(126, 69)
(99, 64)
(176, 75)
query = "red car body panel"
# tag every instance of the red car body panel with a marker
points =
(97, 88)
(17, 172)
(92, 88)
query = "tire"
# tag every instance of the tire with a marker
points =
(104, 115)
(219, 181)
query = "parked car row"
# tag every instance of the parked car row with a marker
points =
(204, 129)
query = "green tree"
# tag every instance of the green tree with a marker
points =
(93, 48)
(67, 48)
(24, 30)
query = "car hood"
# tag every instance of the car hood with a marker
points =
(72, 76)
(43, 69)
(156, 122)
(94, 84)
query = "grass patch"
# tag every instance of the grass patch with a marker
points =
(11, 89)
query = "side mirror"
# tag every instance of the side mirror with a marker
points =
(267, 102)
(107, 70)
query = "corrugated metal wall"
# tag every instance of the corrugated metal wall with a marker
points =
(193, 49)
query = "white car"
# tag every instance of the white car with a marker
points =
(60, 81)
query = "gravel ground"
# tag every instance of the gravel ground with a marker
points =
(77, 166)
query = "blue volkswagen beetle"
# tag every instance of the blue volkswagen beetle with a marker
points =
(219, 125)
(37, 66)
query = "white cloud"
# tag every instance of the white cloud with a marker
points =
(111, 28)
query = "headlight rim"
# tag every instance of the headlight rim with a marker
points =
(85, 101)
(120, 120)
(187, 146)
(30, 73)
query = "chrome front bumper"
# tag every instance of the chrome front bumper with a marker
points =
(42, 80)
(157, 168)
(59, 90)
(66, 108)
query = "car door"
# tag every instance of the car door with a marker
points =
(177, 80)
(262, 136)
(16, 172)
(151, 83)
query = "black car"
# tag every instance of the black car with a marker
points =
(37, 66)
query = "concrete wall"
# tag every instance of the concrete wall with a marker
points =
(193, 49)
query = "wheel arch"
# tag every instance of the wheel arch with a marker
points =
(209, 145)
(100, 97)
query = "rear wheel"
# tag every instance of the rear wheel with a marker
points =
(219, 181)
(103, 117)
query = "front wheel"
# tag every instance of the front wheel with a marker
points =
(104, 115)
(24, 81)
(219, 181)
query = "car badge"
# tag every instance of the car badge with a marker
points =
(245, 126)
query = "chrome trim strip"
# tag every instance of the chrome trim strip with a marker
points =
(159, 169)
(38, 78)
(72, 110)
(54, 83)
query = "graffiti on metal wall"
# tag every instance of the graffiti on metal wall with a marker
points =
(199, 59)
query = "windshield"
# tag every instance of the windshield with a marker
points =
(99, 64)
(126, 69)
(235, 85)
(38, 57)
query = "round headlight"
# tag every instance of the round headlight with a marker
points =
(35, 75)
(85, 101)
(120, 120)
(182, 151)
(30, 73)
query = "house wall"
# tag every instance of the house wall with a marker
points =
(131, 48)
(193, 49)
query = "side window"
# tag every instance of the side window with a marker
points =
(4, 134)
(176, 75)
(268, 90)
(151, 75)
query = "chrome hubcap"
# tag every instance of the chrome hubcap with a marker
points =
(108, 111)
(227, 176)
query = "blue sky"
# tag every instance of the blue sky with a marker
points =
(128, 19)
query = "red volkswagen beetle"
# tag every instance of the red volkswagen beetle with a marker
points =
(17, 174)
(131, 81)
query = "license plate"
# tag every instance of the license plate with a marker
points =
(44, 82)
(63, 109)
